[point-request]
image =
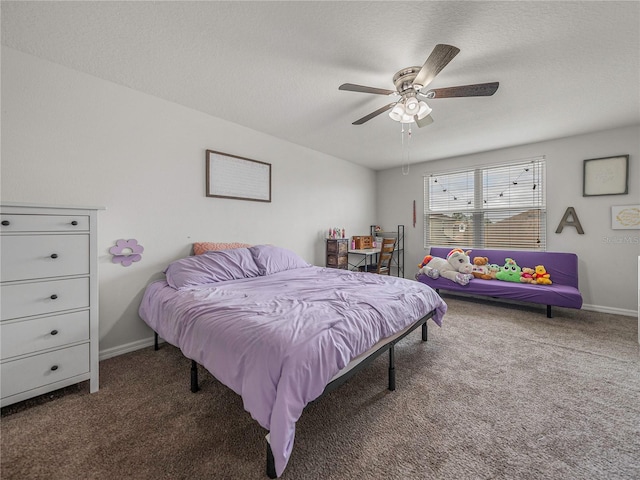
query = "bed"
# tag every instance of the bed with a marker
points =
(279, 331)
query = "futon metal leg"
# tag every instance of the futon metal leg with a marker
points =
(155, 341)
(424, 332)
(392, 369)
(549, 311)
(271, 463)
(194, 376)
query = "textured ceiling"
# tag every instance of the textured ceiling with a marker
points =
(564, 68)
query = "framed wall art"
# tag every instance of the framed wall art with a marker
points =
(606, 176)
(230, 176)
(625, 217)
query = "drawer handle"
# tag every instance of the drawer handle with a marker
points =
(54, 368)
(53, 297)
(54, 332)
(6, 223)
(74, 223)
(54, 255)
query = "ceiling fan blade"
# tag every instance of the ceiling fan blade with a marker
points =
(366, 118)
(351, 87)
(440, 57)
(477, 90)
(428, 120)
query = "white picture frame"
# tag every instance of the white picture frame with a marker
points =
(625, 217)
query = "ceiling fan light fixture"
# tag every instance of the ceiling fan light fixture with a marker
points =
(411, 106)
(423, 110)
(406, 118)
(397, 112)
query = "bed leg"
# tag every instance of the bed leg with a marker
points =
(155, 341)
(194, 376)
(392, 369)
(549, 311)
(425, 334)
(271, 463)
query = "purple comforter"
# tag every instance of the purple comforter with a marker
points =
(277, 340)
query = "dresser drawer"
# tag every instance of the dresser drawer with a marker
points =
(27, 257)
(43, 223)
(39, 370)
(23, 300)
(337, 246)
(340, 261)
(28, 336)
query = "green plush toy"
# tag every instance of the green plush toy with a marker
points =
(510, 272)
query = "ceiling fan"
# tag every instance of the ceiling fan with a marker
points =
(411, 83)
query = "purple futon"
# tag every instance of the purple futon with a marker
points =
(563, 267)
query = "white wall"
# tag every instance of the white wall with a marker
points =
(72, 139)
(607, 266)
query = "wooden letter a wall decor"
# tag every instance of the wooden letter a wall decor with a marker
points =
(574, 222)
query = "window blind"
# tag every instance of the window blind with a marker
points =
(499, 206)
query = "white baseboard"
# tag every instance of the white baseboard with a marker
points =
(612, 310)
(126, 348)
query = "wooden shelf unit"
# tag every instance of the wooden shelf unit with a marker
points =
(337, 253)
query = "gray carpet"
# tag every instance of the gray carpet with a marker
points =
(498, 392)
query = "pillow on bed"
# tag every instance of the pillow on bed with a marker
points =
(271, 259)
(202, 247)
(212, 267)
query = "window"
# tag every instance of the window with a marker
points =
(499, 206)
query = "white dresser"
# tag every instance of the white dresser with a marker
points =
(49, 299)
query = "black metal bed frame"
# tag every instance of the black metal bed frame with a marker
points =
(331, 386)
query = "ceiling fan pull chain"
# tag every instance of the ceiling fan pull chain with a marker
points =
(405, 164)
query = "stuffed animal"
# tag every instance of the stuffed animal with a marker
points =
(456, 267)
(527, 275)
(510, 272)
(541, 276)
(494, 268)
(481, 268)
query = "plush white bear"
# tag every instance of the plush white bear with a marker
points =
(456, 267)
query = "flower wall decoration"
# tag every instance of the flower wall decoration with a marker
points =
(126, 252)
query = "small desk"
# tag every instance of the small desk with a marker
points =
(366, 253)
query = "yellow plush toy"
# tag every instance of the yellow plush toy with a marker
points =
(541, 275)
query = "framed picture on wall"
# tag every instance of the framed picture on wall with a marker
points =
(606, 176)
(625, 217)
(230, 176)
